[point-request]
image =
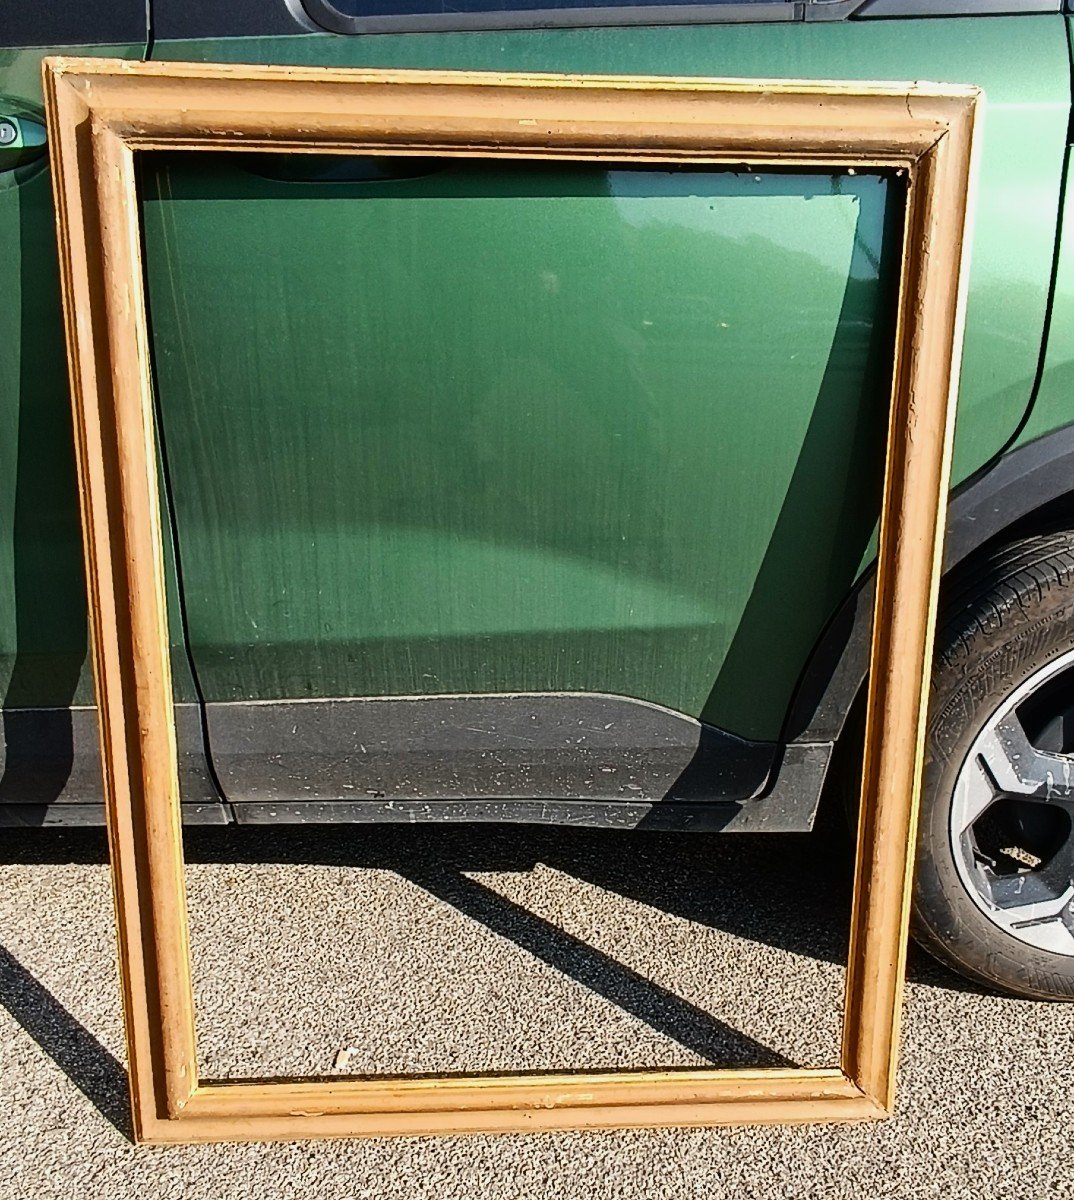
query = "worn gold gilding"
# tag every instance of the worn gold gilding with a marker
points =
(100, 113)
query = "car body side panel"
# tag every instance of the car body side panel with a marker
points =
(1021, 62)
(740, 674)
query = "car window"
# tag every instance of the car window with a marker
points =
(87, 23)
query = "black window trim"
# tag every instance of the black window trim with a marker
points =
(721, 12)
(325, 15)
(826, 10)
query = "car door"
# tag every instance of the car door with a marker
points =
(50, 770)
(526, 480)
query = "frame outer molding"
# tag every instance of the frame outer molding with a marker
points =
(100, 113)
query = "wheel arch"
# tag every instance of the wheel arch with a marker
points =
(1028, 490)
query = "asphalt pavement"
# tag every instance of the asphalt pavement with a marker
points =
(412, 950)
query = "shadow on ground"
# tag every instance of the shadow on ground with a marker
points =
(786, 891)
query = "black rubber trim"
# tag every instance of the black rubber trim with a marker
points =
(52, 756)
(790, 807)
(566, 746)
(1029, 480)
(78, 816)
(304, 767)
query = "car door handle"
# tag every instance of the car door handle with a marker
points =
(20, 140)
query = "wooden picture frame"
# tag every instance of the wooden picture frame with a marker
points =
(100, 114)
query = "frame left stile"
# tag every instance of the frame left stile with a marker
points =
(101, 113)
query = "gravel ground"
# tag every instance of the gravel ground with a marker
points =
(415, 950)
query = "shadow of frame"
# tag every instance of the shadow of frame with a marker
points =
(789, 891)
(94, 1070)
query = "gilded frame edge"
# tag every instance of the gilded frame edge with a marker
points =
(99, 113)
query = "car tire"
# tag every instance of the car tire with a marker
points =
(1004, 660)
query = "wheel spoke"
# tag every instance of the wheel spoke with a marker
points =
(1005, 763)
(1027, 770)
(1038, 907)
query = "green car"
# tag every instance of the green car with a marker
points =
(547, 493)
